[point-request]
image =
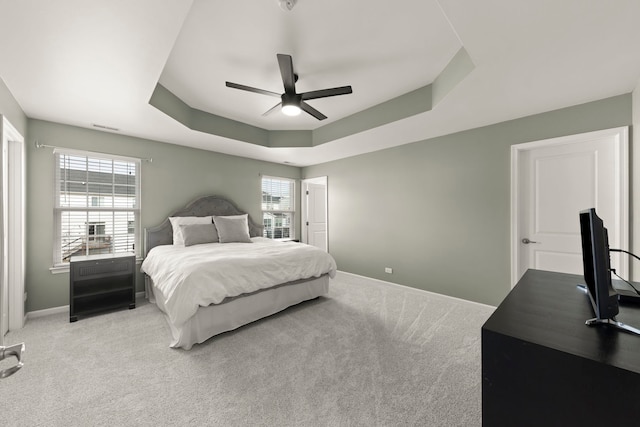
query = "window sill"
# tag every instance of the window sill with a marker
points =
(58, 269)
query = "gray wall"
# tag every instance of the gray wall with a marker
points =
(438, 211)
(176, 176)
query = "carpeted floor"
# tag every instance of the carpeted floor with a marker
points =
(369, 354)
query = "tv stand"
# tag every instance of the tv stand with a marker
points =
(541, 366)
(613, 323)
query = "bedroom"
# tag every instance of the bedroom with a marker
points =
(474, 171)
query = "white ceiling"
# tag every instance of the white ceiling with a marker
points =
(85, 62)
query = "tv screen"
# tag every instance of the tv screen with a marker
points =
(597, 268)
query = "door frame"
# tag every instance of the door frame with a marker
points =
(15, 198)
(622, 135)
(322, 180)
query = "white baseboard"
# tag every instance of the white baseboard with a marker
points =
(357, 279)
(62, 309)
(47, 312)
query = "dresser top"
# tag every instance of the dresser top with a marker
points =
(119, 255)
(548, 309)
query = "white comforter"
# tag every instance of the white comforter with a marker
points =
(201, 275)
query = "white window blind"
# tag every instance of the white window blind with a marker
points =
(278, 207)
(97, 205)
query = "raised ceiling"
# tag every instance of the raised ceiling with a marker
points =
(382, 50)
(86, 62)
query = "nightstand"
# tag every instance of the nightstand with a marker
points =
(101, 282)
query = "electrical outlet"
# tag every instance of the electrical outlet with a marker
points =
(25, 297)
(388, 270)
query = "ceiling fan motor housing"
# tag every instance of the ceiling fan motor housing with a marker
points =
(291, 104)
(291, 99)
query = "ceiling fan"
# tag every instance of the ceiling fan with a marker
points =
(291, 101)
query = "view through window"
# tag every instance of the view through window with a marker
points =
(278, 207)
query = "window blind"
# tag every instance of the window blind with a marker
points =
(278, 207)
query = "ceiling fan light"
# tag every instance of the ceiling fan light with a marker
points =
(291, 110)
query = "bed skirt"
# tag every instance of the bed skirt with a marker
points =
(235, 312)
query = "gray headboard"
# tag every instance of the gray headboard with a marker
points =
(209, 205)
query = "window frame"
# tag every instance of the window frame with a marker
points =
(59, 265)
(291, 211)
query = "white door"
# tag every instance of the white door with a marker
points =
(552, 181)
(4, 243)
(314, 219)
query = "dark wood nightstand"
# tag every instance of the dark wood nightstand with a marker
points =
(101, 282)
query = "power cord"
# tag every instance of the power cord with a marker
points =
(616, 274)
(625, 281)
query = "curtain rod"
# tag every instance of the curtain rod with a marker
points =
(38, 145)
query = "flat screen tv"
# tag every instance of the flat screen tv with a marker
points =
(597, 265)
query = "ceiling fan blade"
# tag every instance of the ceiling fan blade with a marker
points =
(252, 89)
(272, 109)
(343, 90)
(309, 109)
(286, 70)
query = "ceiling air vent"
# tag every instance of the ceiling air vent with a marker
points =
(105, 127)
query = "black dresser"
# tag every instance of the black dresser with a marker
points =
(542, 366)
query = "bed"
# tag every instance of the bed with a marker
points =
(206, 287)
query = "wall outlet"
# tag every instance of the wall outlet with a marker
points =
(25, 297)
(388, 270)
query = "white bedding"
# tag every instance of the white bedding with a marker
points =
(201, 275)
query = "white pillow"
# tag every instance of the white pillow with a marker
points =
(177, 221)
(233, 228)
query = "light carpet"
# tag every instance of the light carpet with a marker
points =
(368, 354)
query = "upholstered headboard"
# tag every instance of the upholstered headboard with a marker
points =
(209, 205)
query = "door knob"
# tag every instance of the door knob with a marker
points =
(13, 351)
(527, 241)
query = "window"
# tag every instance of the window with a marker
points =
(278, 207)
(97, 205)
